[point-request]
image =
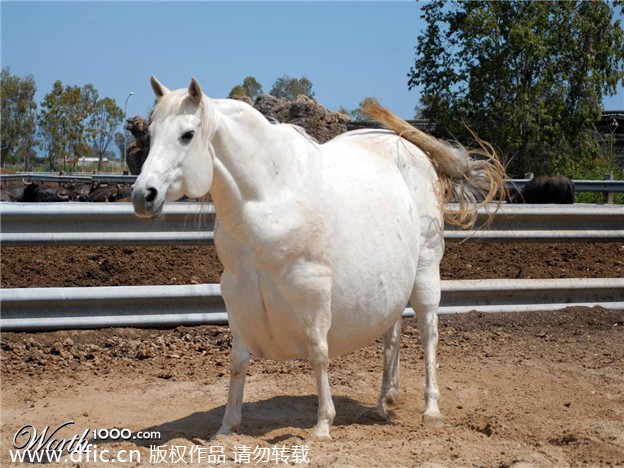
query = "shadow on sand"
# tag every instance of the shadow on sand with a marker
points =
(262, 417)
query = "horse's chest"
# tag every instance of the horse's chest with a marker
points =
(262, 317)
(277, 233)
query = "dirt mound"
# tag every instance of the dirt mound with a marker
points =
(139, 148)
(316, 120)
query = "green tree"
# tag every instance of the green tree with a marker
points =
(356, 114)
(290, 88)
(51, 124)
(63, 123)
(104, 118)
(120, 143)
(238, 91)
(250, 88)
(527, 76)
(18, 118)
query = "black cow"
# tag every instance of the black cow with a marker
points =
(105, 193)
(545, 189)
(38, 192)
(13, 193)
(77, 191)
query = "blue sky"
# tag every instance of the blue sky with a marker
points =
(349, 50)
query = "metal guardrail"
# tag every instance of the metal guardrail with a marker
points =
(70, 178)
(546, 223)
(579, 185)
(164, 306)
(75, 223)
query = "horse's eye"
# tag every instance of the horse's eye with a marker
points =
(188, 136)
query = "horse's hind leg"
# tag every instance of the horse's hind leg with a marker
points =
(390, 380)
(425, 300)
(239, 361)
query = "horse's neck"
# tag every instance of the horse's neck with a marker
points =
(254, 159)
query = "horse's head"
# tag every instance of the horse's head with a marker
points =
(181, 155)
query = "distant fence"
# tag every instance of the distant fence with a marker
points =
(610, 186)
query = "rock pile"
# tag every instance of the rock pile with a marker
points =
(317, 121)
(139, 149)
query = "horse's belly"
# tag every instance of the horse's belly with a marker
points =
(369, 241)
(271, 328)
(366, 305)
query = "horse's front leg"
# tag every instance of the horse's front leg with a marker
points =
(390, 380)
(307, 286)
(318, 357)
(239, 361)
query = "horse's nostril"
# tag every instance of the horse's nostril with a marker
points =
(151, 195)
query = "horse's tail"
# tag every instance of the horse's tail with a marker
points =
(470, 182)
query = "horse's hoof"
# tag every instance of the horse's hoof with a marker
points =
(392, 397)
(224, 431)
(382, 411)
(433, 421)
(321, 434)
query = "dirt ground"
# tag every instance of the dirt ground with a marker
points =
(537, 389)
(23, 267)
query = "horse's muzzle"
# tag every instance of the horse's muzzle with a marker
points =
(147, 201)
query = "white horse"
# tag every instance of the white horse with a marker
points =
(322, 245)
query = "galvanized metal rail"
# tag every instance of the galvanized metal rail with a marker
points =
(76, 223)
(70, 178)
(579, 185)
(166, 306)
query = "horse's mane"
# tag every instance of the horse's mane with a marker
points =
(303, 133)
(299, 129)
(179, 102)
(172, 103)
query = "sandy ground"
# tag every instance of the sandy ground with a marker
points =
(539, 389)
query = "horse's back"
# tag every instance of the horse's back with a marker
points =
(418, 175)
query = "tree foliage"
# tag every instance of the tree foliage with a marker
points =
(63, 123)
(75, 122)
(250, 88)
(104, 118)
(18, 118)
(356, 115)
(528, 77)
(290, 88)
(121, 142)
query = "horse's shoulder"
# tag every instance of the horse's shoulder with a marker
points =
(285, 227)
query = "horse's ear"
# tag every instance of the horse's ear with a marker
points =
(159, 89)
(195, 91)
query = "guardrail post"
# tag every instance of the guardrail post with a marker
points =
(608, 196)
